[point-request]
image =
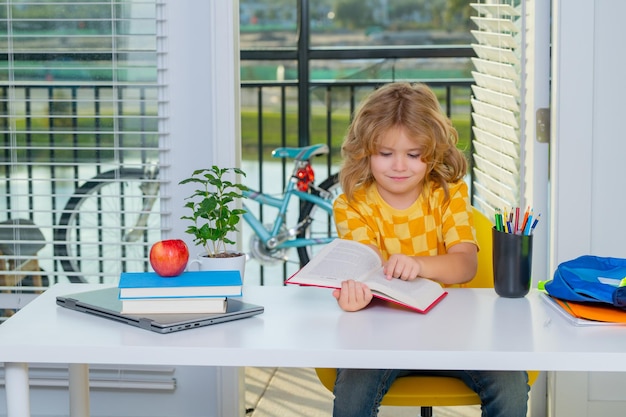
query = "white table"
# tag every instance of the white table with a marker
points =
(303, 327)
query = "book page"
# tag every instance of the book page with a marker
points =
(338, 261)
(418, 293)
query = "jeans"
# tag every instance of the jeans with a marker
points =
(358, 392)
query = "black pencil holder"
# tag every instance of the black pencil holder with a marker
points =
(512, 263)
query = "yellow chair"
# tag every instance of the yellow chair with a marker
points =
(434, 391)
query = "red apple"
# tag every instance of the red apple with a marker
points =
(169, 257)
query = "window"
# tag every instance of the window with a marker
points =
(79, 143)
(496, 105)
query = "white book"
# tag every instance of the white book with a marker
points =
(343, 259)
(186, 305)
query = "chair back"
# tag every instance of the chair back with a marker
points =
(484, 272)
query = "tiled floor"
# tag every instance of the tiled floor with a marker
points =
(287, 392)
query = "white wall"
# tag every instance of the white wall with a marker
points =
(589, 146)
(200, 71)
(588, 153)
(199, 66)
(536, 153)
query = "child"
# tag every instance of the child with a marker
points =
(404, 195)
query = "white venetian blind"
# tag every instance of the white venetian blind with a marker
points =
(79, 140)
(496, 105)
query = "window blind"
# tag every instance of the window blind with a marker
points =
(79, 140)
(496, 105)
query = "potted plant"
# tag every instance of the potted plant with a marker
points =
(214, 214)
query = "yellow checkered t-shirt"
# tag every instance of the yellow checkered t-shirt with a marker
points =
(428, 227)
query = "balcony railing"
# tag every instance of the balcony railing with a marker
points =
(268, 113)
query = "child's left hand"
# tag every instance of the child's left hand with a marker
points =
(403, 267)
(353, 295)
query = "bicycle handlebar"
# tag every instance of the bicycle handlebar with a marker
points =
(301, 154)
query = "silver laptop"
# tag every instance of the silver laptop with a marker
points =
(105, 303)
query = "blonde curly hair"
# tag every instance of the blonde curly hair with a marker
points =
(415, 108)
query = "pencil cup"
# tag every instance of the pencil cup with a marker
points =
(512, 263)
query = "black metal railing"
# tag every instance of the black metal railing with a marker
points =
(270, 100)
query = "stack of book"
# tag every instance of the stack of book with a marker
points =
(190, 292)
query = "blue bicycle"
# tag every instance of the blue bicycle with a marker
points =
(314, 226)
(108, 223)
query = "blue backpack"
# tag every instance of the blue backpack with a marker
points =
(590, 279)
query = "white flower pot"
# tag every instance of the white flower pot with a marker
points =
(232, 263)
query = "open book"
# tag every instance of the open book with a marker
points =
(346, 259)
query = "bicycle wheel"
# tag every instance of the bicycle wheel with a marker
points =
(322, 224)
(108, 225)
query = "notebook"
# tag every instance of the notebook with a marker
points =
(105, 303)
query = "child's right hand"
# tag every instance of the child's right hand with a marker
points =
(353, 295)
(404, 267)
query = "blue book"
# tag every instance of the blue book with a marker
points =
(188, 284)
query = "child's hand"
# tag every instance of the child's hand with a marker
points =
(353, 295)
(402, 266)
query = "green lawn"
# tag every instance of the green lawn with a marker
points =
(70, 146)
(272, 129)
